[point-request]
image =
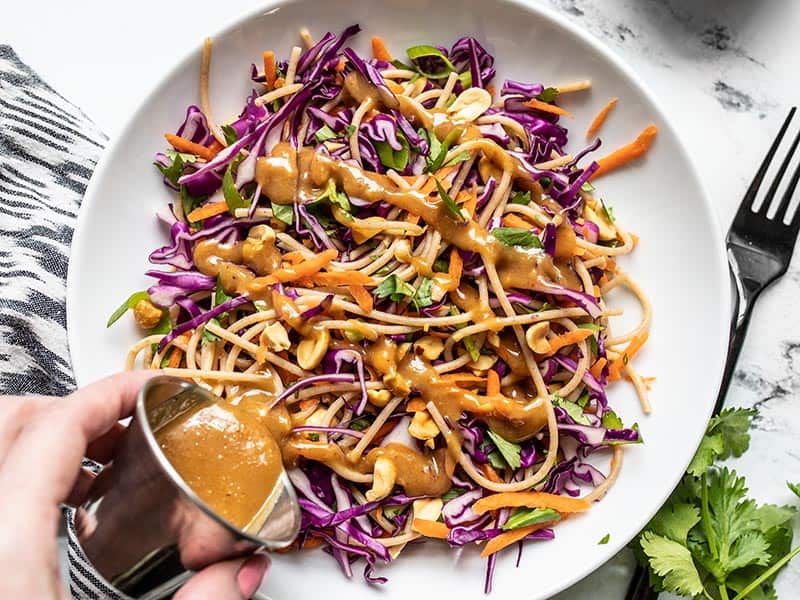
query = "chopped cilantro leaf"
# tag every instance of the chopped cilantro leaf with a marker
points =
(173, 172)
(509, 450)
(395, 289)
(231, 137)
(451, 206)
(283, 212)
(324, 133)
(521, 198)
(523, 517)
(422, 297)
(548, 95)
(516, 236)
(129, 304)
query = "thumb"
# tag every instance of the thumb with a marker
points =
(229, 580)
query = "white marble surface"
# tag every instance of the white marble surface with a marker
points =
(725, 69)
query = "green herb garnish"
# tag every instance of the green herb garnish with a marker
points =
(391, 158)
(523, 517)
(231, 137)
(509, 450)
(710, 540)
(395, 289)
(548, 95)
(422, 297)
(283, 212)
(417, 52)
(324, 133)
(516, 236)
(523, 198)
(450, 204)
(173, 172)
(129, 304)
(233, 198)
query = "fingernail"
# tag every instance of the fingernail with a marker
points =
(251, 574)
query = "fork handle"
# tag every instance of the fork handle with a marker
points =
(639, 587)
(742, 311)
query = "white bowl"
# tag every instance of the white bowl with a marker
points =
(680, 263)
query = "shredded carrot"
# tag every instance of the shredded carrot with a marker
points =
(454, 269)
(615, 370)
(307, 268)
(490, 473)
(379, 50)
(215, 148)
(512, 220)
(362, 296)
(294, 257)
(175, 357)
(492, 383)
(270, 73)
(279, 82)
(567, 339)
(627, 153)
(441, 175)
(183, 145)
(308, 404)
(462, 378)
(340, 65)
(490, 89)
(416, 405)
(600, 118)
(597, 367)
(611, 265)
(261, 351)
(510, 537)
(342, 278)
(545, 107)
(563, 504)
(431, 529)
(212, 209)
(312, 542)
(596, 290)
(397, 89)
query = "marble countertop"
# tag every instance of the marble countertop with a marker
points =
(724, 69)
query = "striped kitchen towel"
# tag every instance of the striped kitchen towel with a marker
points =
(48, 150)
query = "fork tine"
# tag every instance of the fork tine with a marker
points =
(780, 213)
(750, 196)
(773, 188)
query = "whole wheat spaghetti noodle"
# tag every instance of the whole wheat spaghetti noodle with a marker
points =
(411, 278)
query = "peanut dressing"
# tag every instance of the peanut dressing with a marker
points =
(226, 455)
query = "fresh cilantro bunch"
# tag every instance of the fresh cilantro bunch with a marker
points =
(710, 540)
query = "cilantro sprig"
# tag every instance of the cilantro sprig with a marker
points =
(710, 540)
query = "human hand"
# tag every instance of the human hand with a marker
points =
(42, 443)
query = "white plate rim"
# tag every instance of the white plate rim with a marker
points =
(555, 19)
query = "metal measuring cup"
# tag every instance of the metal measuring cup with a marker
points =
(145, 530)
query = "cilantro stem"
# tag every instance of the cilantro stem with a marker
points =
(767, 574)
(706, 514)
(723, 591)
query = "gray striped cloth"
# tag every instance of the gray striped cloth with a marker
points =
(48, 149)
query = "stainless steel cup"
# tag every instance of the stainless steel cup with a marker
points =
(145, 530)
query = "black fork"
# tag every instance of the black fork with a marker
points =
(759, 252)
